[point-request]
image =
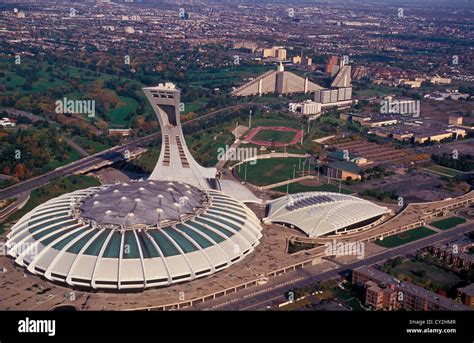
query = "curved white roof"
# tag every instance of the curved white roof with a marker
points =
(103, 237)
(320, 213)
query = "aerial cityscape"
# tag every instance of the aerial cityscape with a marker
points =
(248, 155)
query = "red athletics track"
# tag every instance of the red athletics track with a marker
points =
(255, 131)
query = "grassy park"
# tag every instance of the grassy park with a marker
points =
(448, 223)
(405, 237)
(89, 145)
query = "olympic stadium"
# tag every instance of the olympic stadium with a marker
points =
(323, 213)
(134, 235)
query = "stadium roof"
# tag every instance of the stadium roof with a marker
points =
(120, 242)
(321, 213)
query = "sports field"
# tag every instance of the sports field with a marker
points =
(268, 171)
(405, 237)
(276, 136)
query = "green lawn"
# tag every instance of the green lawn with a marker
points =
(299, 187)
(196, 105)
(269, 171)
(405, 237)
(118, 116)
(205, 146)
(53, 189)
(11, 80)
(349, 298)
(277, 136)
(443, 170)
(275, 121)
(448, 223)
(426, 275)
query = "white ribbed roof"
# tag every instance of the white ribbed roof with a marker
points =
(83, 238)
(320, 213)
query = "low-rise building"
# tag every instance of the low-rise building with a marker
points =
(467, 295)
(337, 155)
(455, 254)
(418, 132)
(381, 297)
(119, 132)
(384, 291)
(342, 170)
(305, 107)
(440, 80)
(455, 120)
(370, 120)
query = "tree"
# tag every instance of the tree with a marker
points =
(20, 170)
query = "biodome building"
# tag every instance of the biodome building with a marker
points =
(176, 226)
(324, 213)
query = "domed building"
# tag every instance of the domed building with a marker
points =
(324, 213)
(134, 235)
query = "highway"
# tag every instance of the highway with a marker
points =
(263, 296)
(115, 153)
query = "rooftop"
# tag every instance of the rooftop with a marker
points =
(410, 288)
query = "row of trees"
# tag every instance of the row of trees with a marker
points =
(462, 162)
